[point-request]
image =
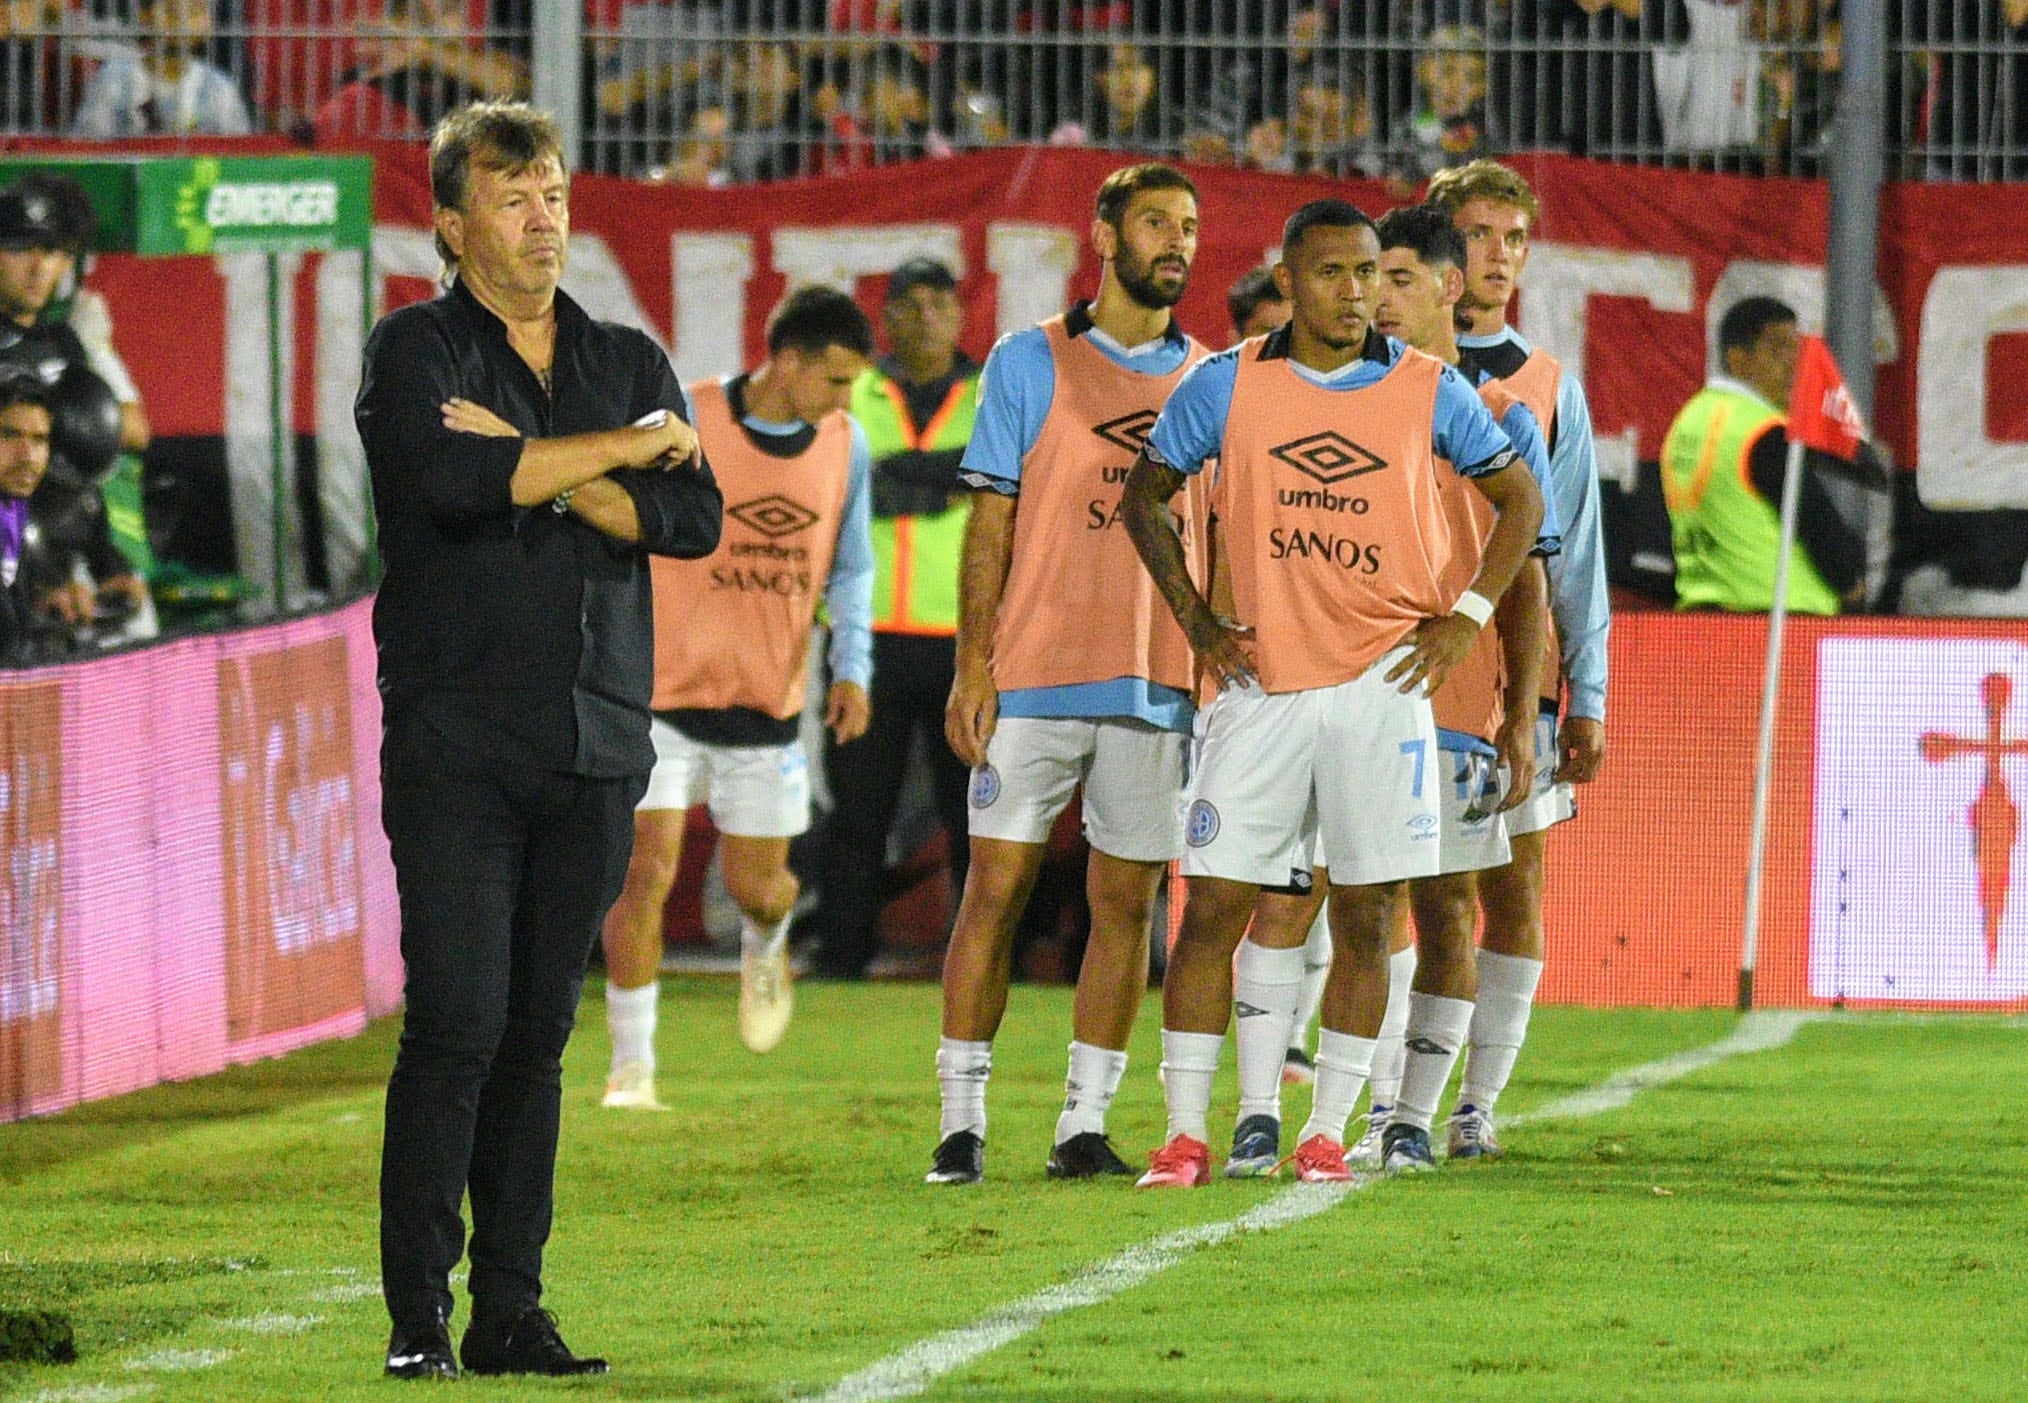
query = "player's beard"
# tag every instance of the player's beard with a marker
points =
(1137, 280)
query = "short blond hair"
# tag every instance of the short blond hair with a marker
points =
(1483, 179)
(510, 137)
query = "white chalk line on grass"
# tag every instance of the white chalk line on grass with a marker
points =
(911, 1371)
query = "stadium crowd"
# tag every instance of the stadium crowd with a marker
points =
(712, 91)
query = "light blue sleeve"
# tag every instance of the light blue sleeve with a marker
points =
(849, 591)
(1525, 434)
(1577, 576)
(1015, 390)
(1463, 430)
(1192, 423)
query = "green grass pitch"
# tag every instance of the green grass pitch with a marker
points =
(1839, 1218)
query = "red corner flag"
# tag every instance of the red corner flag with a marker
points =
(1821, 412)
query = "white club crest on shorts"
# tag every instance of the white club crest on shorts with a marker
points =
(985, 787)
(1200, 825)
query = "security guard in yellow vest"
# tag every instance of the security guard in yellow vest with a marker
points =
(916, 406)
(1723, 464)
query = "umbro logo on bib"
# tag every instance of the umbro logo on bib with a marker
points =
(1328, 457)
(1129, 431)
(773, 516)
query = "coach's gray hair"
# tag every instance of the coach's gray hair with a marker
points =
(510, 137)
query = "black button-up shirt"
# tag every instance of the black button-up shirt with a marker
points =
(520, 633)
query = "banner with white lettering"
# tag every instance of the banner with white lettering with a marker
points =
(1631, 269)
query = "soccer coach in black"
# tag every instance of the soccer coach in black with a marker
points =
(526, 460)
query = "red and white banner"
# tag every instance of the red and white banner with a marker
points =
(1631, 269)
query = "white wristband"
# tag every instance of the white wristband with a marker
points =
(1474, 606)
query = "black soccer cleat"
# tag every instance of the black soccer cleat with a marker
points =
(527, 1344)
(422, 1351)
(960, 1159)
(1086, 1156)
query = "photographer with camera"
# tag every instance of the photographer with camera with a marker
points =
(67, 562)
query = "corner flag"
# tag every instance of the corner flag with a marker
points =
(1821, 412)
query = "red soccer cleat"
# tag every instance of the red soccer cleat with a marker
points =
(1183, 1163)
(1321, 1160)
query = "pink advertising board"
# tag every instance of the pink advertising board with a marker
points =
(194, 873)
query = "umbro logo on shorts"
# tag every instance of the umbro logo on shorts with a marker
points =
(1328, 457)
(1425, 825)
(773, 516)
(985, 787)
(1129, 431)
(1200, 825)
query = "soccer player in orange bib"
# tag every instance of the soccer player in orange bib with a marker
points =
(1485, 718)
(1070, 672)
(1495, 210)
(1327, 438)
(732, 636)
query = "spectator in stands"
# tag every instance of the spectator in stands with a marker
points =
(1724, 463)
(1129, 116)
(32, 86)
(1578, 75)
(1450, 125)
(1798, 86)
(167, 88)
(916, 407)
(418, 63)
(1977, 103)
(1256, 304)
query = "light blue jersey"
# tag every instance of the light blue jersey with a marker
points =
(1016, 389)
(1578, 598)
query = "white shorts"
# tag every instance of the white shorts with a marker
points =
(1548, 803)
(755, 791)
(1474, 837)
(1357, 762)
(1132, 775)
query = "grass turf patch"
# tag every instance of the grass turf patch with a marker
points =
(1775, 1225)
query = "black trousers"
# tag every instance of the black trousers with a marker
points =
(911, 683)
(504, 875)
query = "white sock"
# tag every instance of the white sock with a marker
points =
(1389, 1052)
(1267, 988)
(757, 939)
(1343, 1062)
(1095, 1074)
(630, 1019)
(1189, 1062)
(1316, 971)
(1499, 1025)
(1436, 1032)
(962, 1070)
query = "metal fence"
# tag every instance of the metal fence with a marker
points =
(717, 91)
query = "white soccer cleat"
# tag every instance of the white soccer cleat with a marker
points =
(1471, 1135)
(1365, 1152)
(631, 1087)
(766, 998)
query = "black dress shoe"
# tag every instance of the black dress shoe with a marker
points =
(422, 1351)
(526, 1344)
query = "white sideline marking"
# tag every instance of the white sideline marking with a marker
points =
(91, 1393)
(338, 1295)
(273, 1323)
(180, 1361)
(911, 1371)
